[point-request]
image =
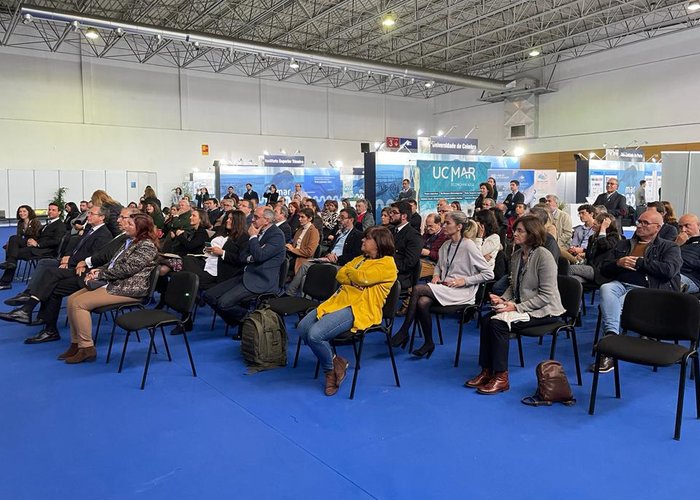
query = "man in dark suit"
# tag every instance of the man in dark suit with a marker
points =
(346, 245)
(213, 210)
(251, 195)
(415, 220)
(44, 245)
(63, 282)
(614, 202)
(513, 198)
(96, 236)
(281, 214)
(408, 243)
(264, 258)
(407, 192)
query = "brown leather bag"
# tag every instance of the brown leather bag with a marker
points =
(552, 386)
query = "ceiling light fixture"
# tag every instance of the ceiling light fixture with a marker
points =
(519, 151)
(534, 53)
(389, 20)
(429, 85)
(693, 6)
(293, 64)
(419, 132)
(92, 34)
(27, 18)
(441, 133)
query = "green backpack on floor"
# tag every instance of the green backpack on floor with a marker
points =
(263, 340)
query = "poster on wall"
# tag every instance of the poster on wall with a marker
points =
(545, 183)
(628, 175)
(320, 183)
(525, 177)
(393, 167)
(454, 180)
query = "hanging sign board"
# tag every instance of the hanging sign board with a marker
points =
(453, 145)
(283, 161)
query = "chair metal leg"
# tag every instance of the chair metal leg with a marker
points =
(520, 351)
(357, 367)
(594, 387)
(681, 396)
(296, 355)
(597, 330)
(213, 319)
(459, 343)
(592, 296)
(554, 345)
(393, 360)
(574, 343)
(583, 302)
(617, 378)
(111, 342)
(165, 341)
(439, 329)
(189, 353)
(696, 369)
(97, 330)
(126, 343)
(318, 369)
(152, 333)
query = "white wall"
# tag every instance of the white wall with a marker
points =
(646, 91)
(68, 114)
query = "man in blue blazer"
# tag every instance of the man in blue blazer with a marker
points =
(263, 259)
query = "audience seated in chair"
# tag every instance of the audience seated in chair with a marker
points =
(645, 260)
(601, 244)
(460, 269)
(407, 242)
(305, 241)
(365, 284)
(44, 244)
(689, 241)
(532, 299)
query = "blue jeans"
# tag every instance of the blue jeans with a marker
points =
(317, 332)
(692, 287)
(612, 296)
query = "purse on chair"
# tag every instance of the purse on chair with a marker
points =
(552, 386)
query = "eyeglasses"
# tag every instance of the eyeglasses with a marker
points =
(646, 223)
(443, 211)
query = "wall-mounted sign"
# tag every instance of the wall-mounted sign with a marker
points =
(453, 145)
(393, 142)
(624, 154)
(283, 161)
(205, 149)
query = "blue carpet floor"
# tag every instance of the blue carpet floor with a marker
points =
(86, 431)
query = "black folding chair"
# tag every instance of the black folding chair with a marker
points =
(179, 296)
(465, 313)
(357, 339)
(570, 293)
(319, 285)
(658, 316)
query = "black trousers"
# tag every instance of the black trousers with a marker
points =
(196, 265)
(226, 298)
(51, 307)
(18, 250)
(495, 340)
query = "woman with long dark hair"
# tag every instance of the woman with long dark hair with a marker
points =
(71, 212)
(271, 195)
(485, 191)
(600, 245)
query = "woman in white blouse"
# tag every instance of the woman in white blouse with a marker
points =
(487, 238)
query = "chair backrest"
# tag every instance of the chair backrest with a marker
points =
(570, 292)
(416, 273)
(182, 292)
(392, 302)
(563, 266)
(500, 266)
(483, 291)
(661, 314)
(284, 269)
(153, 281)
(320, 281)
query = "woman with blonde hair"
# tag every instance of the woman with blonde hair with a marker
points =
(100, 198)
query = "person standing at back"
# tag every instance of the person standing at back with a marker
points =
(614, 202)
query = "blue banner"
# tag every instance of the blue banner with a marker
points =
(454, 180)
(320, 183)
(526, 178)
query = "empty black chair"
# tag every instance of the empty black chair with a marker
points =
(319, 285)
(658, 315)
(563, 266)
(179, 296)
(357, 339)
(115, 309)
(465, 313)
(570, 293)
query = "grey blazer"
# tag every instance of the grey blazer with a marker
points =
(539, 293)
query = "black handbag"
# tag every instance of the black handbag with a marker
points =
(95, 284)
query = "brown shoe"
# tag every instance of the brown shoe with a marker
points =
(83, 354)
(331, 385)
(480, 379)
(499, 383)
(340, 367)
(72, 350)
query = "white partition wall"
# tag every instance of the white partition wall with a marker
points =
(21, 189)
(45, 186)
(681, 181)
(115, 184)
(92, 181)
(4, 202)
(73, 181)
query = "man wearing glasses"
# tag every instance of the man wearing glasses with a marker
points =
(613, 201)
(645, 260)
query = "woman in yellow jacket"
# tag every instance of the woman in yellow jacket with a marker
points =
(365, 284)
